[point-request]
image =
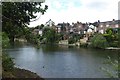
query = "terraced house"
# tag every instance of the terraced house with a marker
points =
(103, 26)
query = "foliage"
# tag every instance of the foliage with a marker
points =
(49, 35)
(85, 45)
(39, 26)
(32, 38)
(7, 62)
(112, 37)
(71, 40)
(0, 39)
(20, 14)
(5, 40)
(98, 41)
(74, 38)
(115, 67)
(119, 37)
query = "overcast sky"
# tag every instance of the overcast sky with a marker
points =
(78, 10)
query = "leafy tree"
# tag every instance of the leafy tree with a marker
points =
(15, 15)
(98, 41)
(50, 35)
(112, 37)
(39, 26)
(30, 37)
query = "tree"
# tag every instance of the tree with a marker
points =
(112, 36)
(50, 35)
(98, 41)
(39, 26)
(15, 15)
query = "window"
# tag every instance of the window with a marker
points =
(101, 25)
(116, 26)
(107, 25)
(101, 31)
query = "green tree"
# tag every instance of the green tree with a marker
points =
(30, 37)
(39, 26)
(15, 15)
(49, 35)
(109, 35)
(112, 37)
(98, 41)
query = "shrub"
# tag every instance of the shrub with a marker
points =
(7, 62)
(5, 40)
(119, 38)
(71, 40)
(115, 67)
(98, 41)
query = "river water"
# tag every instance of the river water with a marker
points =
(58, 61)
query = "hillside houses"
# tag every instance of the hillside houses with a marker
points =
(86, 29)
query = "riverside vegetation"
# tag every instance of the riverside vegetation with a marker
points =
(14, 26)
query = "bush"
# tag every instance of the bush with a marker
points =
(115, 67)
(50, 35)
(7, 62)
(84, 45)
(98, 41)
(119, 38)
(71, 40)
(114, 44)
(5, 40)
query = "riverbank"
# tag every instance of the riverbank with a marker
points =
(20, 73)
(112, 48)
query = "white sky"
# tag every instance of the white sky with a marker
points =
(78, 10)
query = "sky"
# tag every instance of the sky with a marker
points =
(83, 11)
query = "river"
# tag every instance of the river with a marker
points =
(58, 61)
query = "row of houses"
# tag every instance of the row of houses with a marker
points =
(82, 28)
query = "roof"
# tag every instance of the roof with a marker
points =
(111, 22)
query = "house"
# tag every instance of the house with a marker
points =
(37, 32)
(103, 26)
(50, 24)
(63, 27)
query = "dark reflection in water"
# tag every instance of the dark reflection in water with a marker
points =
(57, 61)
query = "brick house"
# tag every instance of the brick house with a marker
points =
(103, 26)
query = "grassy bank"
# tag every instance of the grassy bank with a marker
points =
(20, 73)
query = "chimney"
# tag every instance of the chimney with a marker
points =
(98, 21)
(113, 20)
